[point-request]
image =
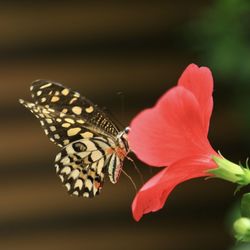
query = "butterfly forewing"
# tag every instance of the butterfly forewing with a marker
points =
(59, 127)
(63, 99)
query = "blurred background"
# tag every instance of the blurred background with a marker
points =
(102, 48)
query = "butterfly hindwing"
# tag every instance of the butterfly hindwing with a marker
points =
(81, 166)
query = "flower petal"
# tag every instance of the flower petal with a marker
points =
(171, 130)
(200, 82)
(153, 195)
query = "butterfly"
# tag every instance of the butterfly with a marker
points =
(91, 144)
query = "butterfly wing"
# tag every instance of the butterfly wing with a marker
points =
(87, 135)
(65, 115)
(61, 98)
(81, 165)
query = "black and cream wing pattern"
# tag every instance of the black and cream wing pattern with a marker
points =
(91, 144)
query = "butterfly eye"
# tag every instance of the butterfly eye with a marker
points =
(98, 178)
(127, 129)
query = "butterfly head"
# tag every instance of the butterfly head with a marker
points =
(123, 139)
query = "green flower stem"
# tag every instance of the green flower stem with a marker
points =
(245, 205)
(230, 171)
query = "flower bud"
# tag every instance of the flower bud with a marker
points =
(242, 229)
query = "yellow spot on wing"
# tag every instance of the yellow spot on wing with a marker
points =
(66, 170)
(67, 185)
(58, 157)
(56, 136)
(52, 128)
(61, 177)
(87, 135)
(65, 92)
(90, 109)
(78, 184)
(72, 100)
(65, 142)
(49, 121)
(46, 86)
(88, 184)
(75, 193)
(96, 155)
(65, 125)
(55, 99)
(73, 131)
(45, 111)
(80, 121)
(69, 120)
(74, 174)
(77, 110)
(51, 110)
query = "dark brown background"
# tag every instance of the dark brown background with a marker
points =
(99, 48)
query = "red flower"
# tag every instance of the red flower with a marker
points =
(174, 134)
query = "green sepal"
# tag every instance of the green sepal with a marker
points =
(230, 171)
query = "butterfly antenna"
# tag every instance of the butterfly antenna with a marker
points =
(131, 180)
(137, 169)
(122, 96)
(118, 121)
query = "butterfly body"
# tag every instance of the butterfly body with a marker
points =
(92, 145)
